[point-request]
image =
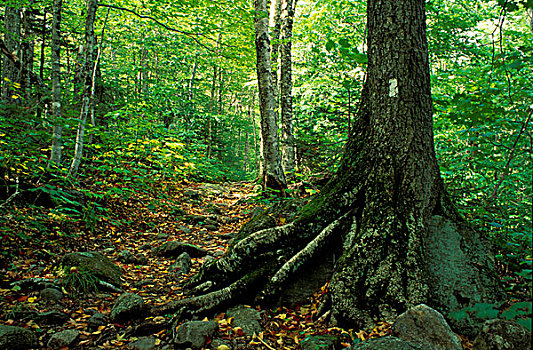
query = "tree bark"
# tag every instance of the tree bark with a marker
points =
(384, 224)
(10, 72)
(273, 177)
(275, 23)
(287, 134)
(27, 50)
(87, 79)
(57, 131)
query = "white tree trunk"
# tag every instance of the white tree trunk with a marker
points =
(273, 177)
(87, 78)
(287, 135)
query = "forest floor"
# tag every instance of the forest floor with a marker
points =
(143, 219)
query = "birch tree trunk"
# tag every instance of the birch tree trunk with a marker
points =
(273, 177)
(191, 80)
(57, 132)
(275, 24)
(287, 134)
(87, 79)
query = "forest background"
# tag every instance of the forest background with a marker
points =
(171, 96)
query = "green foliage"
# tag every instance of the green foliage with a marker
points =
(519, 312)
(79, 282)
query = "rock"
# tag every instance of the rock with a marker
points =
(322, 342)
(144, 343)
(195, 334)
(97, 264)
(426, 327)
(141, 260)
(109, 250)
(162, 236)
(127, 306)
(246, 318)
(192, 194)
(51, 295)
(52, 317)
(16, 338)
(456, 265)
(144, 282)
(211, 221)
(182, 265)
(145, 246)
(213, 208)
(126, 257)
(388, 343)
(63, 338)
(96, 320)
(178, 212)
(214, 188)
(184, 229)
(211, 227)
(503, 335)
(175, 248)
(194, 219)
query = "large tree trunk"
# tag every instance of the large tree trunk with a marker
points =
(385, 214)
(273, 177)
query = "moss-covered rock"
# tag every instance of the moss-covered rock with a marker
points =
(127, 306)
(175, 248)
(96, 264)
(15, 338)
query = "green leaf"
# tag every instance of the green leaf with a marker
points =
(330, 45)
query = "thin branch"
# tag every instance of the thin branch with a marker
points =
(7, 201)
(511, 154)
(152, 19)
(193, 36)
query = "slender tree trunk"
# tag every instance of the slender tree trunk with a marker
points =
(275, 24)
(95, 70)
(220, 88)
(87, 78)
(246, 151)
(349, 111)
(256, 142)
(273, 177)
(41, 64)
(57, 131)
(10, 74)
(287, 129)
(193, 76)
(27, 51)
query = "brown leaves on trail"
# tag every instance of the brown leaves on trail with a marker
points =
(129, 220)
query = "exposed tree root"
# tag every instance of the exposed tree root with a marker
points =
(213, 300)
(279, 280)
